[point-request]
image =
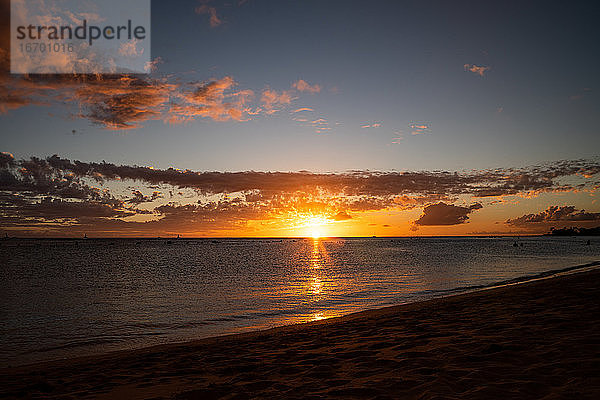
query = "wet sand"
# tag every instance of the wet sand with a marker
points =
(536, 340)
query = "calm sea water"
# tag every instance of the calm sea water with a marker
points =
(64, 298)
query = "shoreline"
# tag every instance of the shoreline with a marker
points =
(441, 294)
(170, 369)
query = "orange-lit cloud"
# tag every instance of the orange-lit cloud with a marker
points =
(320, 125)
(215, 99)
(60, 196)
(399, 136)
(121, 102)
(271, 99)
(303, 86)
(419, 128)
(373, 125)
(214, 19)
(476, 69)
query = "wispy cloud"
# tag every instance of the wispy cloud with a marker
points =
(419, 128)
(302, 109)
(399, 136)
(373, 125)
(584, 92)
(303, 86)
(214, 19)
(476, 69)
(124, 102)
(215, 99)
(320, 125)
(271, 99)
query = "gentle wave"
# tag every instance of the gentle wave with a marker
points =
(65, 298)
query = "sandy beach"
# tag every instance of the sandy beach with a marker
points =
(538, 340)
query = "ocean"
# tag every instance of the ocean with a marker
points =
(66, 298)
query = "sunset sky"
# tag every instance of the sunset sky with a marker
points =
(301, 118)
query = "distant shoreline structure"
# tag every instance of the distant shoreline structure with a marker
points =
(574, 231)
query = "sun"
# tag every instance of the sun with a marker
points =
(314, 226)
(316, 233)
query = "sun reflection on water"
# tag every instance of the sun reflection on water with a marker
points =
(318, 254)
(316, 285)
(318, 316)
(319, 284)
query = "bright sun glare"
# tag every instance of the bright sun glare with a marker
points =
(315, 226)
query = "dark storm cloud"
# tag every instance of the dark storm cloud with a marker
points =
(555, 214)
(446, 214)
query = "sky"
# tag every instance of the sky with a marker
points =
(367, 118)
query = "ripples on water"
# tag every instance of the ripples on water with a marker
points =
(61, 298)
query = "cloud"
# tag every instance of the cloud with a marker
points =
(303, 86)
(6, 159)
(398, 137)
(129, 49)
(320, 125)
(483, 183)
(419, 128)
(138, 197)
(63, 195)
(555, 214)
(271, 99)
(302, 110)
(341, 216)
(214, 19)
(122, 101)
(476, 69)
(214, 99)
(583, 93)
(445, 214)
(374, 125)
